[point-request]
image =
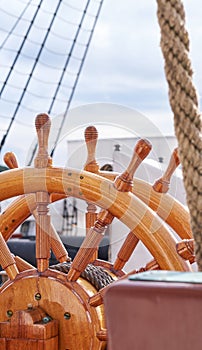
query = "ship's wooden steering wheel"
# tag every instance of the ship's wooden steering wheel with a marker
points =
(67, 302)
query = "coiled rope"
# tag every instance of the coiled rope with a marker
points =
(184, 104)
(96, 275)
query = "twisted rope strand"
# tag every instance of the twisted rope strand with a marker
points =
(184, 103)
(96, 275)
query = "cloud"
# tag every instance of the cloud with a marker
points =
(124, 64)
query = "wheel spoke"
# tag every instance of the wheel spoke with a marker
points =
(7, 261)
(22, 265)
(91, 137)
(43, 225)
(102, 335)
(124, 183)
(115, 199)
(89, 245)
(97, 299)
(56, 243)
(185, 249)
(162, 185)
(126, 251)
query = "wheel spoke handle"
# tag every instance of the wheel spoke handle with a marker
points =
(162, 185)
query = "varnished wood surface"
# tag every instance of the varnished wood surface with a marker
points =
(10, 160)
(168, 208)
(90, 245)
(124, 181)
(43, 124)
(71, 305)
(162, 185)
(7, 260)
(65, 302)
(185, 249)
(91, 137)
(55, 241)
(126, 250)
(126, 207)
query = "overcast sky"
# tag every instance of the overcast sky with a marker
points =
(124, 63)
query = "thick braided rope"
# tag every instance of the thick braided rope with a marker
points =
(96, 275)
(184, 104)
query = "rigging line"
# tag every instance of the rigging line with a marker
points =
(17, 121)
(62, 75)
(15, 24)
(21, 1)
(45, 82)
(49, 82)
(56, 53)
(64, 37)
(31, 73)
(17, 72)
(32, 110)
(20, 49)
(62, 19)
(29, 93)
(47, 98)
(77, 77)
(24, 2)
(4, 117)
(44, 63)
(19, 35)
(6, 31)
(12, 15)
(45, 47)
(36, 26)
(77, 9)
(69, 56)
(29, 109)
(57, 68)
(12, 102)
(72, 7)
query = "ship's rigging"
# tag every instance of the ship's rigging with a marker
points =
(45, 45)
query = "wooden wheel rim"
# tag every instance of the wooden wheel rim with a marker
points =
(166, 207)
(90, 187)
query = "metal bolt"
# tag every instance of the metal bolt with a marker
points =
(67, 315)
(38, 296)
(46, 319)
(9, 313)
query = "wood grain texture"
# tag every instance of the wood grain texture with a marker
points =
(166, 207)
(90, 187)
(66, 303)
(91, 137)
(162, 185)
(55, 241)
(90, 245)
(124, 182)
